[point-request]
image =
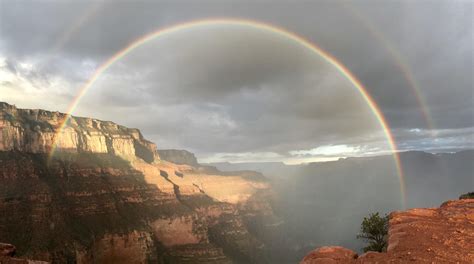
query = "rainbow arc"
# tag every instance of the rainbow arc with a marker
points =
(258, 26)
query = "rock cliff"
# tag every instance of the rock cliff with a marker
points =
(432, 235)
(106, 197)
(37, 131)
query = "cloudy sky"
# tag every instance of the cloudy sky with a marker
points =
(236, 93)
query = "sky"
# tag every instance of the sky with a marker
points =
(239, 94)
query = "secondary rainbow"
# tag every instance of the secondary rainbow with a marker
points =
(259, 26)
(399, 62)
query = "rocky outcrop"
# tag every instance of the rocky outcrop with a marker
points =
(432, 235)
(178, 156)
(96, 202)
(332, 254)
(39, 131)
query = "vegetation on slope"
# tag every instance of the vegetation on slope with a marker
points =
(469, 195)
(374, 230)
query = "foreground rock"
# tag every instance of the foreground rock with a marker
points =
(434, 235)
(333, 254)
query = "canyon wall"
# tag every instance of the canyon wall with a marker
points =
(106, 197)
(37, 131)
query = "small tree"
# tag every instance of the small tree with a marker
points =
(374, 230)
(469, 195)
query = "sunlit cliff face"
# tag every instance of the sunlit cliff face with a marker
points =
(235, 93)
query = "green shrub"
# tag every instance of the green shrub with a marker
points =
(469, 195)
(374, 230)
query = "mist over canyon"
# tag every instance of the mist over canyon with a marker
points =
(324, 203)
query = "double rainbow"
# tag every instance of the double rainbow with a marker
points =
(258, 26)
(399, 61)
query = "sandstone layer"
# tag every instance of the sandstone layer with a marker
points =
(432, 235)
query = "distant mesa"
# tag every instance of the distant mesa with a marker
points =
(178, 156)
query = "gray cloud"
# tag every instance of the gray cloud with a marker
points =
(236, 90)
(240, 90)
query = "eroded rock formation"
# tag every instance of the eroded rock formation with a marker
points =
(106, 197)
(432, 235)
(37, 131)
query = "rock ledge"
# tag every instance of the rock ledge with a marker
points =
(421, 235)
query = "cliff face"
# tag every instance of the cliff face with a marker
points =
(433, 235)
(101, 200)
(36, 130)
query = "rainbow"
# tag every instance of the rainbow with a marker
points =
(259, 26)
(399, 62)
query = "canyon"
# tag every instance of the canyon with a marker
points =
(82, 190)
(104, 195)
(323, 203)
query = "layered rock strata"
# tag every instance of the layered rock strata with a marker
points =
(39, 131)
(106, 197)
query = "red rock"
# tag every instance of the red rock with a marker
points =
(333, 254)
(434, 235)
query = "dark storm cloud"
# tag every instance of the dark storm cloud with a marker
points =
(246, 90)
